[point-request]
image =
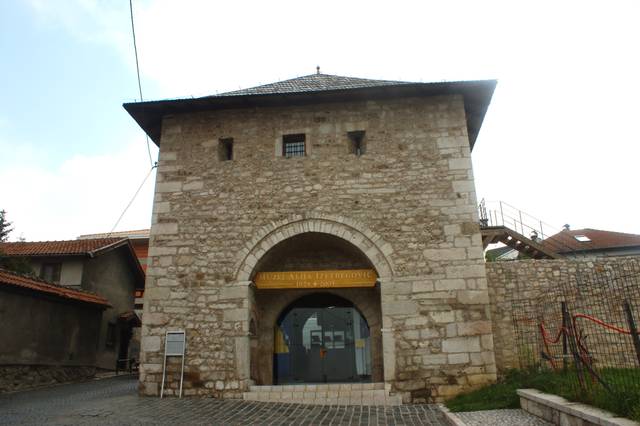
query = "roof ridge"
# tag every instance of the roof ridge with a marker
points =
(77, 247)
(311, 83)
(604, 230)
(116, 232)
(60, 241)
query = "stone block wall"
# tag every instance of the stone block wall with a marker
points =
(408, 204)
(528, 280)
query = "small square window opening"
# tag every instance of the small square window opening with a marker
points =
(293, 145)
(225, 149)
(356, 142)
(582, 238)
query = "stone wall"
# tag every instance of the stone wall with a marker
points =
(527, 280)
(408, 205)
(22, 377)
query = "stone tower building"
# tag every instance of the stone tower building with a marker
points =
(319, 229)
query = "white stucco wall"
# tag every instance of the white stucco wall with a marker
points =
(70, 273)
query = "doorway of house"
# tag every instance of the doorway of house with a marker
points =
(322, 338)
(123, 362)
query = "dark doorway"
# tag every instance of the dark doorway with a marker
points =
(123, 361)
(322, 338)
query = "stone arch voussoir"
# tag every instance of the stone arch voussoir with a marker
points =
(371, 244)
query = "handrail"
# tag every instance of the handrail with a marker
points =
(509, 216)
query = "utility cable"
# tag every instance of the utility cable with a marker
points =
(132, 199)
(135, 50)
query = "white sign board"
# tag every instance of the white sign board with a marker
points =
(174, 345)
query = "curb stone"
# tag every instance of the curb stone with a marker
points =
(451, 418)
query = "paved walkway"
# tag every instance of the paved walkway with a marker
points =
(114, 401)
(501, 418)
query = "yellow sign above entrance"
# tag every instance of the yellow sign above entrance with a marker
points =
(316, 279)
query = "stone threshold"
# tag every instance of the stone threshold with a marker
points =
(559, 411)
(325, 394)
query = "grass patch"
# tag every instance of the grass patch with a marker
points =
(623, 398)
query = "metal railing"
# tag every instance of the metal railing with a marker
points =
(126, 364)
(499, 213)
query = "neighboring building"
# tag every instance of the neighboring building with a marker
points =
(49, 333)
(579, 243)
(319, 229)
(595, 243)
(139, 239)
(107, 267)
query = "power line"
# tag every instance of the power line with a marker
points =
(132, 199)
(135, 50)
(153, 164)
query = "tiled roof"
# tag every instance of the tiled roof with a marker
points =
(599, 240)
(54, 248)
(313, 83)
(14, 280)
(138, 233)
(317, 89)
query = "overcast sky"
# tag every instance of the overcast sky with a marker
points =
(559, 141)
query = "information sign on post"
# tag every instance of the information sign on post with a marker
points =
(175, 343)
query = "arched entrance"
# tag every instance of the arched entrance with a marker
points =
(321, 338)
(293, 324)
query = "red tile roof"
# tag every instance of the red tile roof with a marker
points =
(14, 280)
(88, 247)
(53, 248)
(600, 240)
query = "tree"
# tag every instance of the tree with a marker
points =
(5, 227)
(16, 264)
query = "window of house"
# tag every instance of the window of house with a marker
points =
(356, 142)
(582, 238)
(225, 149)
(110, 341)
(51, 272)
(293, 145)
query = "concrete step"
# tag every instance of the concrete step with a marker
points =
(319, 387)
(325, 394)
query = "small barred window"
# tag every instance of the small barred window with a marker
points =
(293, 145)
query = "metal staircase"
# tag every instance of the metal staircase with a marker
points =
(517, 241)
(503, 223)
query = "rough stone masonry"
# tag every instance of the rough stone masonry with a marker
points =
(407, 203)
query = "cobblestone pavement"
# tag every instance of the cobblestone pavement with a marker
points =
(500, 418)
(114, 401)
